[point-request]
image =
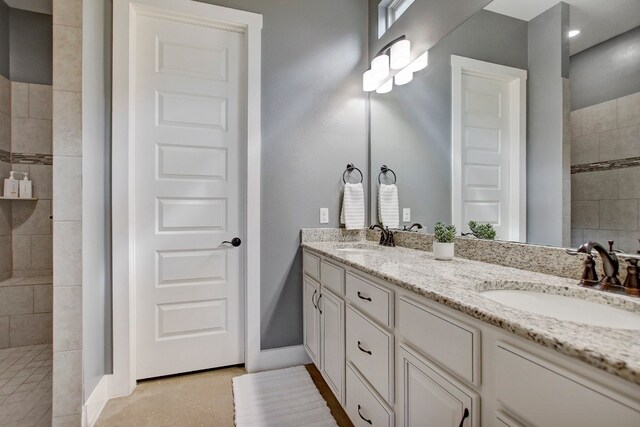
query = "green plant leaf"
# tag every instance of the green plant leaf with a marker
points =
(445, 233)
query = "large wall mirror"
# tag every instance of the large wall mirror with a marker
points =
(527, 117)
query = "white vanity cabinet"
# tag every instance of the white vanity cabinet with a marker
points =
(395, 358)
(324, 320)
(332, 332)
(542, 393)
(311, 319)
(427, 393)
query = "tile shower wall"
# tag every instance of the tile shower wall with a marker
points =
(605, 180)
(31, 146)
(26, 307)
(67, 212)
(5, 167)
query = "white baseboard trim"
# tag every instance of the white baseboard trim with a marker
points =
(94, 405)
(277, 358)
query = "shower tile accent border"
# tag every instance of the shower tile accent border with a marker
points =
(31, 159)
(606, 165)
(5, 156)
(539, 259)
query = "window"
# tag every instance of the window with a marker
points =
(389, 11)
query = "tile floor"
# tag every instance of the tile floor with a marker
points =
(25, 386)
(190, 400)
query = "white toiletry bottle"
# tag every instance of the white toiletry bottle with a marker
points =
(26, 189)
(11, 187)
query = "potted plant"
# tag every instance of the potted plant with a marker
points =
(443, 245)
(482, 231)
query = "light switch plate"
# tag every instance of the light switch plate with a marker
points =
(324, 215)
(406, 214)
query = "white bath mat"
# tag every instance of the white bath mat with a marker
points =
(285, 397)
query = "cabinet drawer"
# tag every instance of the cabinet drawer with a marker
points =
(374, 300)
(452, 344)
(370, 349)
(311, 265)
(332, 277)
(544, 394)
(363, 407)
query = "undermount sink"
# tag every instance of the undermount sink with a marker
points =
(565, 308)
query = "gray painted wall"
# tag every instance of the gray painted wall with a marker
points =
(4, 39)
(96, 233)
(424, 23)
(314, 122)
(548, 64)
(606, 71)
(31, 47)
(411, 126)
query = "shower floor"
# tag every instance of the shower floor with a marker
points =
(25, 386)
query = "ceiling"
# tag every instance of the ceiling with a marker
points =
(598, 20)
(40, 6)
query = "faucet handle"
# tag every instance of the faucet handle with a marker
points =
(610, 245)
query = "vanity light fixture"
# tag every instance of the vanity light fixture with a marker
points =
(420, 63)
(400, 54)
(574, 32)
(369, 81)
(395, 56)
(385, 87)
(404, 76)
(380, 67)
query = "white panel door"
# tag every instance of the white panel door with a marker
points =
(188, 85)
(485, 153)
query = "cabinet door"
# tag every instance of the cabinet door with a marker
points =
(428, 397)
(310, 295)
(332, 360)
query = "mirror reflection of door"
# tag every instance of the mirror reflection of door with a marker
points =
(489, 171)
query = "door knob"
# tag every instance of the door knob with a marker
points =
(235, 242)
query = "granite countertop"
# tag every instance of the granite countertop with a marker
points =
(458, 284)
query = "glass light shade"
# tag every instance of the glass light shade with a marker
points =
(420, 62)
(403, 77)
(400, 54)
(369, 81)
(385, 87)
(380, 67)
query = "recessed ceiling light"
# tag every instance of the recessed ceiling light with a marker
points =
(573, 33)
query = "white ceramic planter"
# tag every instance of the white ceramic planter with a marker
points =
(443, 251)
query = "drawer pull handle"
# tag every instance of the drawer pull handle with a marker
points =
(464, 416)
(313, 300)
(363, 297)
(318, 302)
(362, 349)
(365, 419)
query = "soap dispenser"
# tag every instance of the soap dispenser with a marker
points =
(26, 188)
(11, 187)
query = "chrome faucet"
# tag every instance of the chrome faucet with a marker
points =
(386, 238)
(610, 264)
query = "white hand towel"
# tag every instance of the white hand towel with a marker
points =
(352, 214)
(388, 211)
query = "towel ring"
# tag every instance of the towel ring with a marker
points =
(383, 170)
(351, 168)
